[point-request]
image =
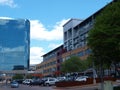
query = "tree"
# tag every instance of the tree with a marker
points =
(89, 63)
(29, 76)
(17, 76)
(74, 64)
(104, 38)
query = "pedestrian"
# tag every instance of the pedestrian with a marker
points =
(30, 84)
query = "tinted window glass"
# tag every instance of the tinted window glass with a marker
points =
(14, 43)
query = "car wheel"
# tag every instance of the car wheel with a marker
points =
(47, 84)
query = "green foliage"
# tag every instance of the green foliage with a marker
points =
(104, 38)
(74, 64)
(29, 76)
(116, 88)
(89, 62)
(17, 76)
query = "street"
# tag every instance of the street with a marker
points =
(26, 87)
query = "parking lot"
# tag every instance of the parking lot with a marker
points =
(3, 86)
(26, 87)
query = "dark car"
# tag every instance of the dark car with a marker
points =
(14, 84)
(36, 82)
(19, 81)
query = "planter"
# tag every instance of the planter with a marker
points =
(69, 83)
(73, 83)
(79, 83)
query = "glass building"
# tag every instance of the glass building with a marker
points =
(14, 44)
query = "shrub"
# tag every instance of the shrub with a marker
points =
(117, 88)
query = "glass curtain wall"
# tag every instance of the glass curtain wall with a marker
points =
(14, 44)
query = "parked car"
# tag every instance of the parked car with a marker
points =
(36, 82)
(14, 84)
(81, 78)
(50, 81)
(19, 81)
(61, 78)
(27, 81)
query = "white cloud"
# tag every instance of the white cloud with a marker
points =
(9, 3)
(35, 55)
(39, 32)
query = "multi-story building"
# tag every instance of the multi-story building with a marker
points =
(14, 44)
(75, 43)
(70, 34)
(75, 38)
(51, 62)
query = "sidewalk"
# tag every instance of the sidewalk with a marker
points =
(3, 84)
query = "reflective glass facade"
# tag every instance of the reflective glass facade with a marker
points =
(14, 44)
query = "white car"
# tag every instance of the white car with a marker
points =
(61, 78)
(81, 78)
(50, 81)
(27, 81)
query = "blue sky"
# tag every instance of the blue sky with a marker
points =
(47, 18)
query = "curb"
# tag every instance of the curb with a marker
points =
(83, 86)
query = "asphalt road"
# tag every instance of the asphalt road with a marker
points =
(26, 87)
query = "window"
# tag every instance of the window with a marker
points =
(81, 53)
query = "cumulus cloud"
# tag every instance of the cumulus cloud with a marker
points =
(9, 3)
(35, 55)
(39, 32)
